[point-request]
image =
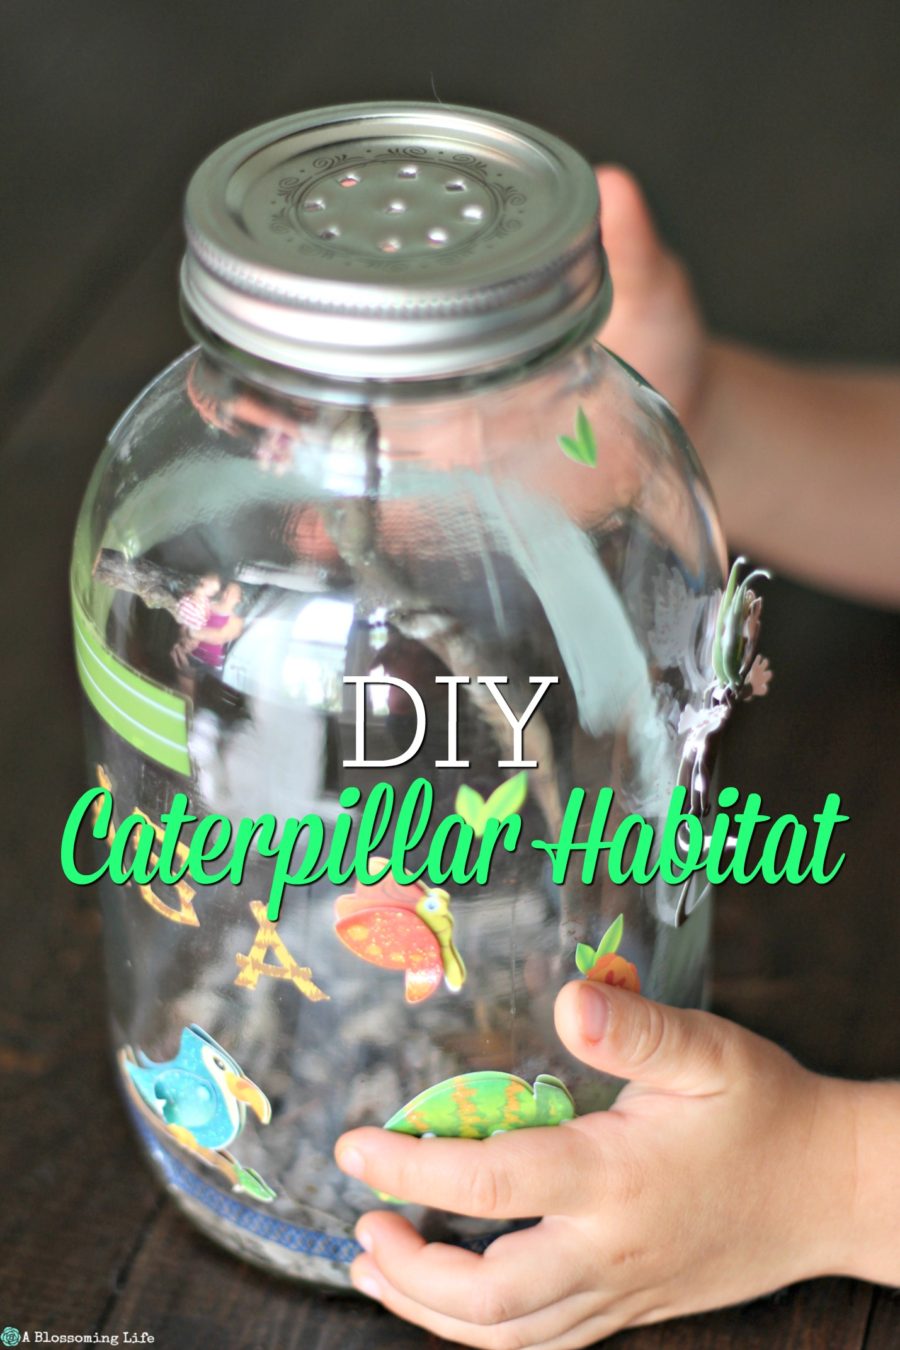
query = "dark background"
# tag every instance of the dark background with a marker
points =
(767, 136)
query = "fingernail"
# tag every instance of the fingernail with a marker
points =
(351, 1161)
(364, 1238)
(593, 1012)
(368, 1286)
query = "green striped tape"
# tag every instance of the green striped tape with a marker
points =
(152, 719)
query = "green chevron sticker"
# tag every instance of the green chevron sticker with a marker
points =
(152, 719)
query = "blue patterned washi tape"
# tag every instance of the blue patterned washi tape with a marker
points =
(292, 1236)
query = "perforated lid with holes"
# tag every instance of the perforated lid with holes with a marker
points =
(397, 241)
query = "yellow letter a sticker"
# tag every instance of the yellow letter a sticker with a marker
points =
(255, 964)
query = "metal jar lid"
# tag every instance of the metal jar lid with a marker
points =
(393, 241)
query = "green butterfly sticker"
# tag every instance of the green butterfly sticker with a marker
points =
(504, 801)
(581, 447)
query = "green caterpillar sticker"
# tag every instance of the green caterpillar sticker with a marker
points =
(476, 1105)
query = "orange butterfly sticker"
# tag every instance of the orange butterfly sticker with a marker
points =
(404, 926)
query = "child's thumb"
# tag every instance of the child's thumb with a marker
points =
(637, 255)
(629, 1037)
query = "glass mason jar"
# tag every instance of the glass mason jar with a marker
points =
(397, 455)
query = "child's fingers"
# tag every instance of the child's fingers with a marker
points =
(520, 1175)
(552, 1328)
(519, 1274)
(620, 1033)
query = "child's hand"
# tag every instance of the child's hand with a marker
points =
(655, 323)
(720, 1173)
(182, 650)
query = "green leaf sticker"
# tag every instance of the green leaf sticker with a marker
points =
(612, 937)
(728, 634)
(248, 1179)
(582, 447)
(585, 957)
(470, 805)
(724, 607)
(504, 801)
(507, 798)
(585, 434)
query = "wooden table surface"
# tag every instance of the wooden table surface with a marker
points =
(768, 141)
